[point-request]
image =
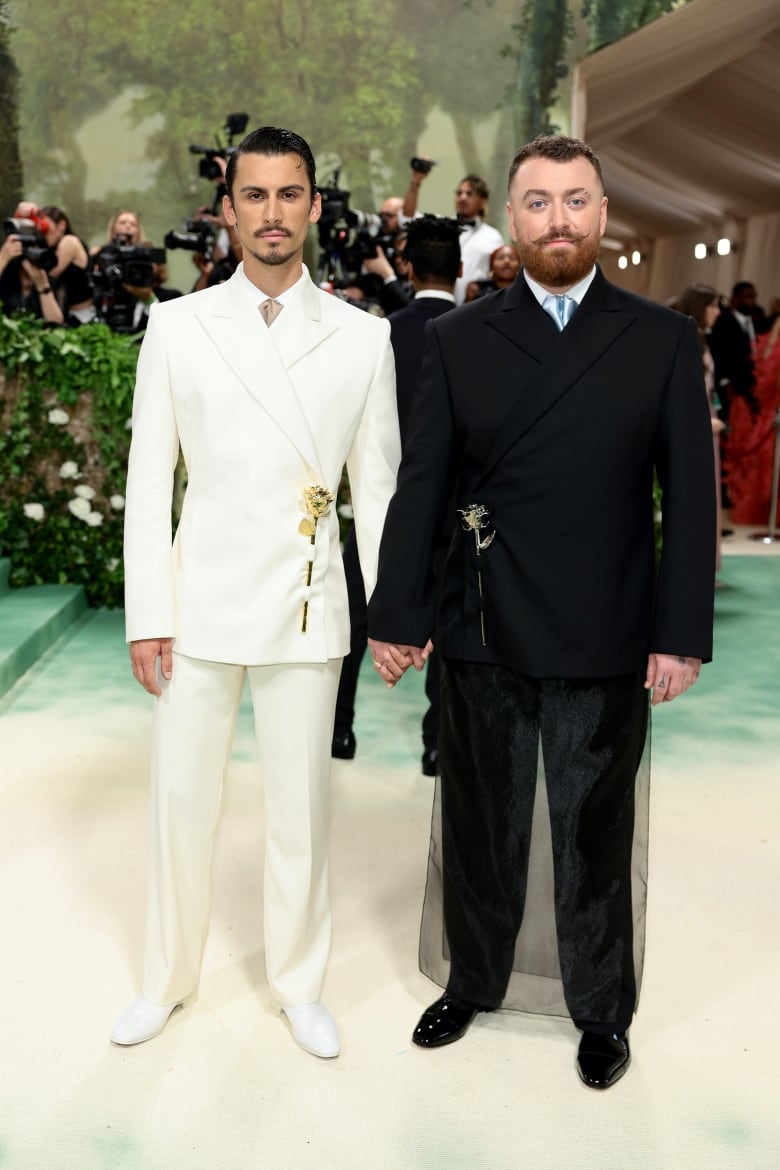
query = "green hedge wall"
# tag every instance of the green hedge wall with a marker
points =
(65, 405)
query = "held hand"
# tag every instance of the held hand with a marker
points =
(669, 675)
(392, 661)
(143, 659)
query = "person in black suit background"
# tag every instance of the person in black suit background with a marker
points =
(732, 342)
(546, 408)
(433, 254)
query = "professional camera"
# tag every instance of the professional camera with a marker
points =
(31, 233)
(208, 167)
(115, 265)
(348, 237)
(198, 235)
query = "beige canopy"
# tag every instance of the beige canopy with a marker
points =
(685, 116)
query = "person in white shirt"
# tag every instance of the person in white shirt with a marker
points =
(478, 240)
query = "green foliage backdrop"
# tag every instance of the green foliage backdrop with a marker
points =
(65, 404)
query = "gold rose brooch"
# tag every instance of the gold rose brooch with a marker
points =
(316, 504)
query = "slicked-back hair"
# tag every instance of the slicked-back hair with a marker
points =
(557, 147)
(433, 248)
(271, 140)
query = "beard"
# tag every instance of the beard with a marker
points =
(559, 268)
(276, 253)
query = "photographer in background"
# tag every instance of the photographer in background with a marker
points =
(478, 239)
(124, 227)
(25, 263)
(128, 274)
(70, 276)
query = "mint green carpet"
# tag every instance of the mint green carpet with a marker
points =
(224, 1087)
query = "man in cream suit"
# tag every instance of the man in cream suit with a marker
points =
(269, 386)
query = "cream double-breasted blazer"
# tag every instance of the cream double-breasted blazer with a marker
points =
(260, 414)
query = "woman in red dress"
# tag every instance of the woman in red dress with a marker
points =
(750, 456)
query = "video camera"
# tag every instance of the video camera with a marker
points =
(423, 166)
(208, 167)
(198, 235)
(348, 237)
(31, 233)
(115, 265)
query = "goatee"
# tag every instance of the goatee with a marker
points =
(559, 267)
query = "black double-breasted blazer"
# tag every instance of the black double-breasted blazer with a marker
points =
(557, 436)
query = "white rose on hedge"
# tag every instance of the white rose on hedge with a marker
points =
(69, 470)
(34, 511)
(85, 491)
(117, 503)
(80, 507)
(94, 519)
(58, 417)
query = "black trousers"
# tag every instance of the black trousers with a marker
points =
(592, 734)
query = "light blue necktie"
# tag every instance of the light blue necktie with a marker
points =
(561, 309)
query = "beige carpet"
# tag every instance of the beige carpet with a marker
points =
(225, 1088)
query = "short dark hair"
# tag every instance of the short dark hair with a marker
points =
(433, 248)
(742, 286)
(56, 215)
(557, 147)
(479, 185)
(271, 140)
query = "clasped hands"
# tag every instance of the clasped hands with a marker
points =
(391, 661)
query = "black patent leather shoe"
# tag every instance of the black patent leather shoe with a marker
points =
(602, 1060)
(430, 761)
(444, 1022)
(343, 747)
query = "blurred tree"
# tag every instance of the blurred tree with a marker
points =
(342, 74)
(612, 19)
(11, 171)
(357, 79)
(539, 56)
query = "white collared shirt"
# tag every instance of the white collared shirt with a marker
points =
(438, 294)
(257, 294)
(576, 292)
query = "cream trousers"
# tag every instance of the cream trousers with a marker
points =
(193, 727)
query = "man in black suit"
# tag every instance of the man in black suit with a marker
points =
(433, 253)
(732, 340)
(545, 408)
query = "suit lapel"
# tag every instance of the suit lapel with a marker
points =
(595, 326)
(261, 361)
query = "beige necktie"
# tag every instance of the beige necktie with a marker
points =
(270, 310)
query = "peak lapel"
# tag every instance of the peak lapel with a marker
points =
(595, 326)
(246, 346)
(302, 330)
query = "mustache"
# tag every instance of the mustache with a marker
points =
(562, 234)
(275, 228)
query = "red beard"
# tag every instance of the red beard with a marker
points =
(559, 267)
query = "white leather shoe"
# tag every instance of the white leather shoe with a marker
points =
(314, 1028)
(141, 1021)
